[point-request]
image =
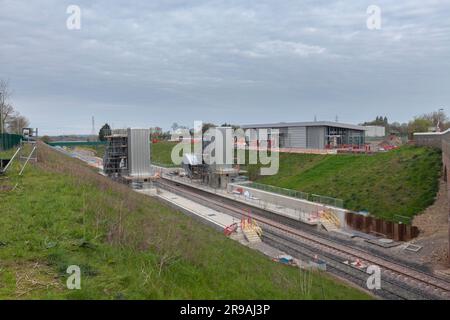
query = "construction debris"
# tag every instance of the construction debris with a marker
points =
(357, 264)
(287, 259)
(230, 229)
(391, 142)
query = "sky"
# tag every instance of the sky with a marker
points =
(152, 63)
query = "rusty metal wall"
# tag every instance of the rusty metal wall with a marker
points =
(389, 229)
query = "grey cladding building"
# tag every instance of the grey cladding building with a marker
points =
(314, 135)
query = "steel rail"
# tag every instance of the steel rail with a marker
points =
(437, 286)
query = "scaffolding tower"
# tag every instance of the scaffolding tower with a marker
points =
(115, 160)
(127, 156)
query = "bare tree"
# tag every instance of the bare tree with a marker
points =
(437, 118)
(17, 122)
(6, 110)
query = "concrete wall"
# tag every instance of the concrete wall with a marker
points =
(290, 202)
(431, 139)
(375, 131)
(439, 140)
(446, 167)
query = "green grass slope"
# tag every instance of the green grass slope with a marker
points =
(161, 153)
(128, 246)
(399, 182)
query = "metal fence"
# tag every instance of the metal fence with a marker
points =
(8, 141)
(339, 203)
(76, 143)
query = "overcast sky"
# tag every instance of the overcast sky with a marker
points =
(152, 63)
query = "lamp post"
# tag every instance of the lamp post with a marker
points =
(438, 129)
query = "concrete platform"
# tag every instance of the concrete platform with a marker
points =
(217, 218)
(305, 217)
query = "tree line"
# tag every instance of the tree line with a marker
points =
(432, 121)
(11, 121)
(157, 133)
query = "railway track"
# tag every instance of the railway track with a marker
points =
(335, 266)
(398, 281)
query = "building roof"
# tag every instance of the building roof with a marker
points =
(304, 124)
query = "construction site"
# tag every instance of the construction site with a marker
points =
(225, 159)
(303, 230)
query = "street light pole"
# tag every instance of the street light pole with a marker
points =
(438, 129)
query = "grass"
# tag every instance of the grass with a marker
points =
(98, 150)
(161, 153)
(128, 246)
(399, 182)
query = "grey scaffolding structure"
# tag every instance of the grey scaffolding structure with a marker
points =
(115, 160)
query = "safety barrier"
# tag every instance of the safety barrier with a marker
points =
(339, 203)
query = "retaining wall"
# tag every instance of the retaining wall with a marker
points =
(431, 139)
(289, 202)
(439, 140)
(348, 219)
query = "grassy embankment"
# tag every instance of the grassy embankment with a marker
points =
(128, 245)
(399, 182)
(161, 153)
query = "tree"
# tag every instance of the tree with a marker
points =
(175, 126)
(207, 126)
(230, 125)
(437, 118)
(10, 119)
(419, 124)
(398, 128)
(104, 131)
(46, 139)
(379, 121)
(17, 122)
(6, 110)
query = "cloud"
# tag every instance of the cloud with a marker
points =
(278, 48)
(157, 62)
